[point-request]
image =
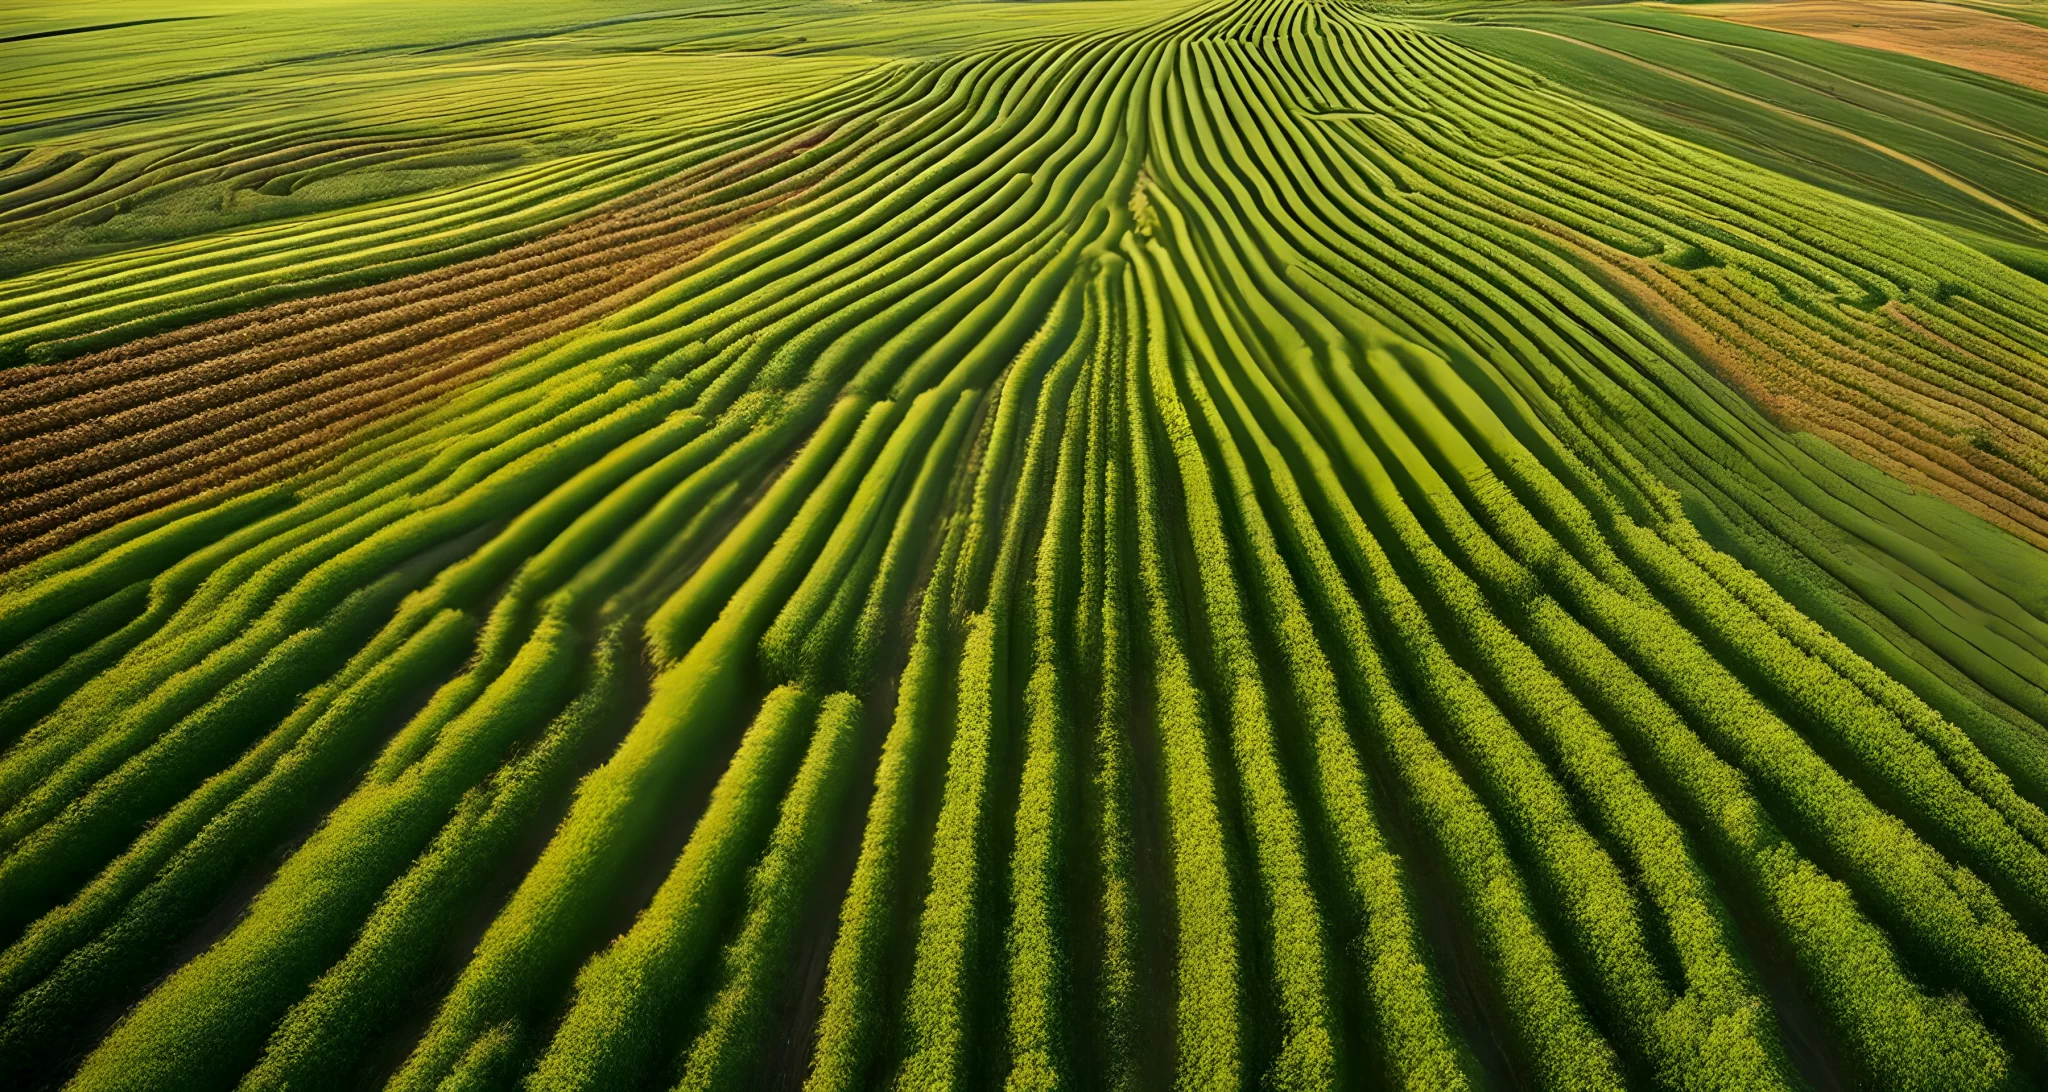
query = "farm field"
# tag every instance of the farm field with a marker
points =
(1095, 544)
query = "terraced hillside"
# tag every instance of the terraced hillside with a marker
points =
(1124, 544)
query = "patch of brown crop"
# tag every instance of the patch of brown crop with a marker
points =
(649, 212)
(257, 396)
(1846, 396)
(1980, 41)
(1993, 365)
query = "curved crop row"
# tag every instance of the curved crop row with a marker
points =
(1238, 543)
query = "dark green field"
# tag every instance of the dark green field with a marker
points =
(1122, 544)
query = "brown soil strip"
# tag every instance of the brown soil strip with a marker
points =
(1980, 41)
(255, 397)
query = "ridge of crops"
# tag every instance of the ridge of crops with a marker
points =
(1265, 543)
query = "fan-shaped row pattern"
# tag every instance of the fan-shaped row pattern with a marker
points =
(1142, 557)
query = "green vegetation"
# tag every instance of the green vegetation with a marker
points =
(1122, 544)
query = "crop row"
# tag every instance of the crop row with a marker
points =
(1178, 553)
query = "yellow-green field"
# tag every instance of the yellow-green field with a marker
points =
(801, 544)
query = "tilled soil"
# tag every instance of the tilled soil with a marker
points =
(88, 442)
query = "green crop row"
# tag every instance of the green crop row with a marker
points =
(757, 959)
(852, 1021)
(1291, 918)
(1551, 1022)
(1327, 509)
(1208, 972)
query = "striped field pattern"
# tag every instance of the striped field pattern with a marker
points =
(1246, 544)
